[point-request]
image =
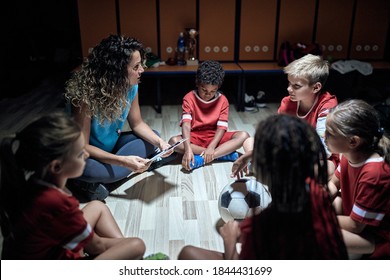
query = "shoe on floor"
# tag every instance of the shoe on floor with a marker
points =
(230, 157)
(162, 161)
(250, 104)
(260, 99)
(157, 256)
(198, 162)
(86, 192)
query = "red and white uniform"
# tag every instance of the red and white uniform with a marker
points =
(313, 233)
(316, 117)
(325, 102)
(50, 226)
(205, 117)
(365, 192)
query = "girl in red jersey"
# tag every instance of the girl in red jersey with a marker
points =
(300, 222)
(205, 121)
(40, 219)
(361, 183)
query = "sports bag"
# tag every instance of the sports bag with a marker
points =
(290, 52)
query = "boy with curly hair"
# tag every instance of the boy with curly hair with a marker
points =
(205, 121)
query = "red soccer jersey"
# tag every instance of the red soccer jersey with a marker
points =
(365, 192)
(205, 115)
(325, 102)
(316, 117)
(313, 233)
(51, 226)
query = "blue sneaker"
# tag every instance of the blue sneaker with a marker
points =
(198, 162)
(230, 157)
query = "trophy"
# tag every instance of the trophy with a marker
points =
(191, 46)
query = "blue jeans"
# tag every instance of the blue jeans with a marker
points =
(128, 144)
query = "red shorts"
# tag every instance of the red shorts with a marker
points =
(203, 138)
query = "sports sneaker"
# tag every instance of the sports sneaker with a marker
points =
(249, 103)
(230, 157)
(198, 162)
(162, 161)
(86, 192)
(260, 99)
(157, 256)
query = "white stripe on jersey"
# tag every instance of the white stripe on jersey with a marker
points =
(186, 117)
(368, 215)
(222, 123)
(75, 241)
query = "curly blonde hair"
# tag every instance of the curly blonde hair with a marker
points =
(102, 83)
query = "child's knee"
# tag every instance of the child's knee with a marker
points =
(242, 135)
(174, 139)
(186, 253)
(137, 246)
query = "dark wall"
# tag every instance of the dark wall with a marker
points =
(40, 39)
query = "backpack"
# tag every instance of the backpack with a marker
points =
(290, 52)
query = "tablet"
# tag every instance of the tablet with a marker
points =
(160, 154)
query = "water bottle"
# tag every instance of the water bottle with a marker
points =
(181, 49)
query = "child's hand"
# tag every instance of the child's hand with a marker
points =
(240, 165)
(230, 231)
(188, 157)
(208, 155)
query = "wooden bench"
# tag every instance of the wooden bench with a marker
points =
(168, 71)
(241, 70)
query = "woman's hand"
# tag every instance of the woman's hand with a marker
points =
(163, 146)
(136, 163)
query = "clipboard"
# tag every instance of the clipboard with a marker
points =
(167, 150)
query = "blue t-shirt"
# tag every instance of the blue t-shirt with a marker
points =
(105, 136)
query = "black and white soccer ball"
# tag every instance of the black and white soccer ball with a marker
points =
(242, 198)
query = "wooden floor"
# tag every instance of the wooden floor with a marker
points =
(167, 208)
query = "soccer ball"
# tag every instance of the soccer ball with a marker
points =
(242, 198)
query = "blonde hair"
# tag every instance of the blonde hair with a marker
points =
(310, 67)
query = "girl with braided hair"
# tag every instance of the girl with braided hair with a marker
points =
(104, 95)
(300, 222)
(361, 183)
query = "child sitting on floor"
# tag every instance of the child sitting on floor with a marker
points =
(40, 219)
(360, 185)
(300, 223)
(205, 121)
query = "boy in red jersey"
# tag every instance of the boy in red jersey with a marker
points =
(205, 121)
(306, 96)
(306, 100)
